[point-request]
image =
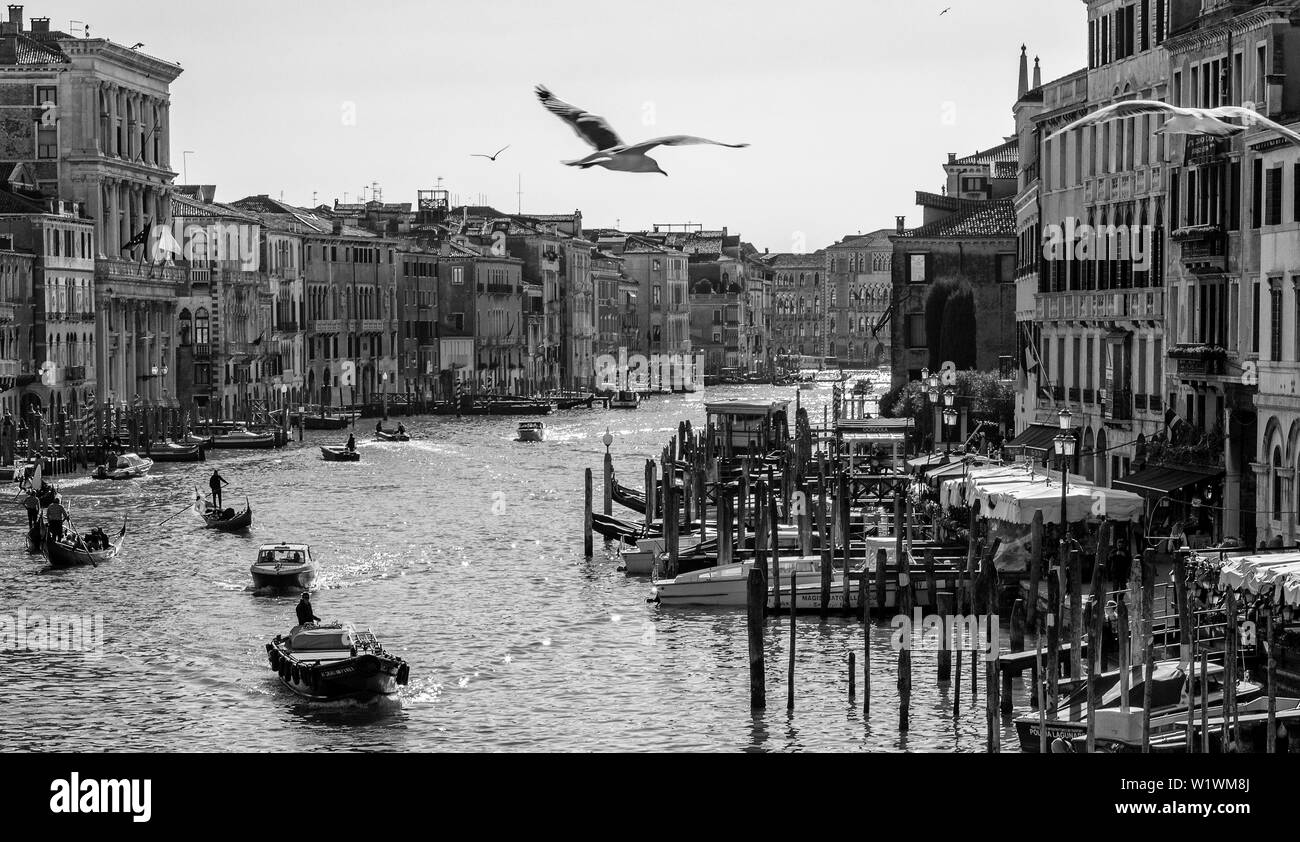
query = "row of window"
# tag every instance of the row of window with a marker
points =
(1127, 31)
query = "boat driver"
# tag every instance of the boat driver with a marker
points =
(305, 614)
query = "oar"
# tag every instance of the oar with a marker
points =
(187, 508)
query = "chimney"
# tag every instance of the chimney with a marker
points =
(902, 224)
(1038, 73)
(40, 26)
(16, 16)
(952, 157)
(338, 226)
(1024, 72)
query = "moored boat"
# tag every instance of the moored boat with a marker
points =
(335, 662)
(532, 431)
(244, 439)
(172, 452)
(727, 586)
(325, 422)
(625, 400)
(284, 566)
(339, 454)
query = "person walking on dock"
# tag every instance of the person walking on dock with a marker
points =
(56, 515)
(32, 504)
(215, 484)
(305, 614)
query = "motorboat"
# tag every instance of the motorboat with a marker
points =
(284, 567)
(728, 586)
(339, 454)
(126, 466)
(394, 435)
(532, 431)
(328, 421)
(641, 561)
(1115, 723)
(625, 400)
(335, 661)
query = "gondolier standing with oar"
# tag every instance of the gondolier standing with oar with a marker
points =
(56, 514)
(32, 504)
(215, 484)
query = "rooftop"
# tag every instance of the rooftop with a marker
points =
(994, 218)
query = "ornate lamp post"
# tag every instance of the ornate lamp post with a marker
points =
(932, 390)
(1065, 445)
(949, 411)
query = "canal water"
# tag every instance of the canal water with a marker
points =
(462, 550)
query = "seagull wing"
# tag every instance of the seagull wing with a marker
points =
(499, 151)
(594, 130)
(677, 140)
(1250, 118)
(1120, 110)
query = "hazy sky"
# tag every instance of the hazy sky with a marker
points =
(844, 103)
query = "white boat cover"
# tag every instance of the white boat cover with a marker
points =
(309, 640)
(1257, 572)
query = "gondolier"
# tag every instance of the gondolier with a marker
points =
(215, 484)
(56, 515)
(32, 504)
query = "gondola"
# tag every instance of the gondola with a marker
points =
(614, 529)
(170, 452)
(325, 422)
(60, 553)
(226, 520)
(339, 454)
(635, 500)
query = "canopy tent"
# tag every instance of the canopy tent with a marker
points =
(955, 470)
(1159, 479)
(1013, 495)
(1256, 573)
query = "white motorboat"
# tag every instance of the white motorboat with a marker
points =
(641, 561)
(126, 466)
(532, 431)
(625, 400)
(284, 566)
(727, 586)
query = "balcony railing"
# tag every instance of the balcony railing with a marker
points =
(74, 373)
(286, 327)
(1120, 407)
(6, 312)
(8, 369)
(202, 350)
(373, 326)
(1103, 304)
(325, 325)
(114, 268)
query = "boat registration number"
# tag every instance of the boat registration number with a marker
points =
(340, 671)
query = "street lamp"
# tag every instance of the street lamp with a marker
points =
(608, 439)
(1065, 449)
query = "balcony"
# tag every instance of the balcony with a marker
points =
(1199, 361)
(8, 373)
(325, 326)
(74, 374)
(373, 326)
(112, 268)
(1100, 304)
(202, 350)
(1120, 407)
(286, 327)
(6, 313)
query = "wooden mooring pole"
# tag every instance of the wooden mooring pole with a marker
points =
(789, 698)
(586, 517)
(756, 604)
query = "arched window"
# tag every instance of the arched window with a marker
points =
(1277, 483)
(201, 335)
(186, 322)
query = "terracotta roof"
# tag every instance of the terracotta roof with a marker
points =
(30, 51)
(948, 203)
(11, 202)
(996, 218)
(785, 260)
(184, 206)
(1007, 151)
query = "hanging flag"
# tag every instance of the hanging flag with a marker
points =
(260, 336)
(884, 320)
(140, 238)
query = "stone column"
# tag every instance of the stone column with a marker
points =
(1263, 488)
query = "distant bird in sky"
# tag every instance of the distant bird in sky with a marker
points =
(611, 152)
(137, 45)
(945, 11)
(490, 157)
(1198, 121)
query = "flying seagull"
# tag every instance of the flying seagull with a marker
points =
(490, 157)
(1199, 121)
(945, 11)
(611, 152)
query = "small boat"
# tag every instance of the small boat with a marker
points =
(171, 452)
(244, 439)
(635, 500)
(532, 431)
(226, 520)
(284, 566)
(621, 530)
(127, 466)
(727, 586)
(71, 550)
(625, 400)
(334, 662)
(339, 454)
(395, 435)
